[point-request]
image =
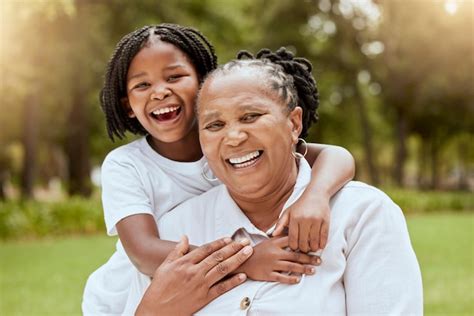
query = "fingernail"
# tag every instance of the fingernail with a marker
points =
(227, 240)
(311, 270)
(248, 250)
(318, 260)
(245, 241)
(242, 276)
(297, 280)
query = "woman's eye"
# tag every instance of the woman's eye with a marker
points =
(174, 77)
(214, 126)
(250, 117)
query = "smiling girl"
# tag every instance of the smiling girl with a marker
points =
(150, 89)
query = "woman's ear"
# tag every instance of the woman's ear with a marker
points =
(127, 107)
(296, 123)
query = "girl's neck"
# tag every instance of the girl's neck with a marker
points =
(264, 211)
(187, 149)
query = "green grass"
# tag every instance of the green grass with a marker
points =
(444, 246)
(46, 277)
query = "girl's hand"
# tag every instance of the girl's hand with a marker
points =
(186, 282)
(271, 261)
(308, 223)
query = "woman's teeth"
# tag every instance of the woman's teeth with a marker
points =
(244, 161)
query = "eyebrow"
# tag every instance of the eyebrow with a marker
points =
(170, 67)
(212, 115)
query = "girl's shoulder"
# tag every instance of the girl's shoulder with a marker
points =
(130, 151)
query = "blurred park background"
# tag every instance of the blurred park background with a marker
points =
(396, 81)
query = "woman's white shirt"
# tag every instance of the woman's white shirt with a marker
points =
(136, 180)
(368, 266)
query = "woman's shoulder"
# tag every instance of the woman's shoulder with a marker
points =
(194, 213)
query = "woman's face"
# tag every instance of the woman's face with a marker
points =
(246, 133)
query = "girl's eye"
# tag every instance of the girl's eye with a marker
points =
(250, 117)
(141, 85)
(214, 126)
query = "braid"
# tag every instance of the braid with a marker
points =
(291, 77)
(196, 47)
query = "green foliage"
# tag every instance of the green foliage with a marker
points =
(51, 273)
(25, 219)
(411, 201)
(32, 219)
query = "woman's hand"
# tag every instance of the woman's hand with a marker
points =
(271, 261)
(308, 223)
(185, 283)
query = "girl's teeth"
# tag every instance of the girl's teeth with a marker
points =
(245, 158)
(165, 110)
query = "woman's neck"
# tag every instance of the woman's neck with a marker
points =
(187, 149)
(264, 211)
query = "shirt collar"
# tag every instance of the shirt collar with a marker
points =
(231, 219)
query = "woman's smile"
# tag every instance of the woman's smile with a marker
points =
(245, 161)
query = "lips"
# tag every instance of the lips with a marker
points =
(245, 160)
(166, 113)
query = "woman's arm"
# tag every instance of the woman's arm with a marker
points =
(308, 218)
(186, 282)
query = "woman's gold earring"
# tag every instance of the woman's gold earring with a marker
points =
(296, 154)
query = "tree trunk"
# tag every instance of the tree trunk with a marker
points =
(30, 146)
(423, 154)
(77, 147)
(401, 150)
(434, 154)
(367, 139)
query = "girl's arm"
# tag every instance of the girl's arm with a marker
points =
(139, 236)
(308, 218)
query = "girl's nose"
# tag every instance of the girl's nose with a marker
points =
(160, 92)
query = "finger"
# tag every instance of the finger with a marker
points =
(324, 235)
(291, 267)
(220, 255)
(293, 235)
(282, 223)
(221, 269)
(182, 248)
(300, 257)
(303, 236)
(281, 242)
(199, 254)
(315, 237)
(285, 279)
(224, 286)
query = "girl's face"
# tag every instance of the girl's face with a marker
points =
(246, 133)
(162, 85)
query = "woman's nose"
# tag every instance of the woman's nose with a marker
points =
(160, 92)
(235, 136)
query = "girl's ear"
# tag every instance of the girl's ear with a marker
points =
(296, 123)
(127, 107)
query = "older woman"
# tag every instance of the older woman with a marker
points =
(251, 113)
